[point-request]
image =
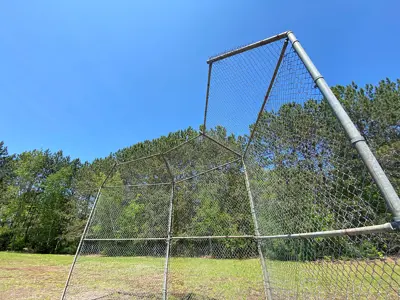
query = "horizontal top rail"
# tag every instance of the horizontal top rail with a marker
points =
(249, 47)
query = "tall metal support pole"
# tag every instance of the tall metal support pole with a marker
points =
(85, 231)
(171, 201)
(267, 286)
(358, 141)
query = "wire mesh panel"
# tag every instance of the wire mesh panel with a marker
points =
(146, 171)
(271, 199)
(237, 91)
(301, 160)
(213, 204)
(123, 250)
(333, 268)
(131, 212)
(197, 156)
(306, 177)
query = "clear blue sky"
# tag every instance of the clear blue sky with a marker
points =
(91, 77)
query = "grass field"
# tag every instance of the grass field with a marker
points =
(32, 276)
(35, 276)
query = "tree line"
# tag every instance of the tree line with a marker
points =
(46, 197)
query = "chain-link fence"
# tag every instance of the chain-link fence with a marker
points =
(277, 197)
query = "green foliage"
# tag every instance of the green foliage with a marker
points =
(306, 179)
(45, 198)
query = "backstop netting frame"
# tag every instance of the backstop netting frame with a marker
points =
(278, 196)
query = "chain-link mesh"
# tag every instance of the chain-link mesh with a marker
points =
(269, 201)
(212, 204)
(306, 177)
(210, 238)
(237, 91)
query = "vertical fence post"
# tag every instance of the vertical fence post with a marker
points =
(169, 233)
(267, 286)
(358, 141)
(85, 231)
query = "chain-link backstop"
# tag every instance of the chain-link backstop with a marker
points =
(278, 197)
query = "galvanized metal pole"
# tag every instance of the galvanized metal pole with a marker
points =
(267, 286)
(373, 166)
(169, 233)
(248, 47)
(387, 227)
(85, 231)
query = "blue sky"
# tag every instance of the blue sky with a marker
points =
(91, 77)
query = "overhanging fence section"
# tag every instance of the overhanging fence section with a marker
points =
(274, 198)
(160, 218)
(319, 193)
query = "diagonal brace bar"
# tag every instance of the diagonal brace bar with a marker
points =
(207, 97)
(220, 144)
(271, 84)
(85, 231)
(267, 285)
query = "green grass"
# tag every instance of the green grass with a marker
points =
(32, 276)
(35, 276)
